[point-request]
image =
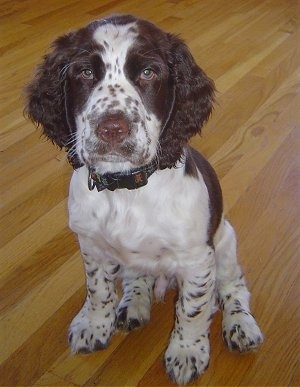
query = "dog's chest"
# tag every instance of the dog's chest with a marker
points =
(147, 228)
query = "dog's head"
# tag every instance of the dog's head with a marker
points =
(120, 93)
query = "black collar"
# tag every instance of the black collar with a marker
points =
(135, 178)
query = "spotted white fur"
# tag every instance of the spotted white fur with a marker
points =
(154, 247)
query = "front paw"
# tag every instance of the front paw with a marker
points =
(241, 332)
(89, 333)
(186, 361)
(133, 314)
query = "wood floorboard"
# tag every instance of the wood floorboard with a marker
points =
(250, 48)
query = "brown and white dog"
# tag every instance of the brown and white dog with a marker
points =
(123, 98)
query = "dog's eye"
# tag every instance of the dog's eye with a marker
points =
(147, 74)
(87, 74)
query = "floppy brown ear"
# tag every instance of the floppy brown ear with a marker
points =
(46, 97)
(192, 106)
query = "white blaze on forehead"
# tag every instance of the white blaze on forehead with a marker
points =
(116, 40)
(116, 93)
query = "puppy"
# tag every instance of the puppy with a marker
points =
(123, 98)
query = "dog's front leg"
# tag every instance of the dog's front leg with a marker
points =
(240, 329)
(187, 355)
(93, 326)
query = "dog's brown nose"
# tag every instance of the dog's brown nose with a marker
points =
(113, 130)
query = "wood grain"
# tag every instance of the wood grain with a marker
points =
(251, 50)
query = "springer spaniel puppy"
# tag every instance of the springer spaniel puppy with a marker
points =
(123, 98)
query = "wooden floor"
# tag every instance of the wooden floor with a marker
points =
(251, 49)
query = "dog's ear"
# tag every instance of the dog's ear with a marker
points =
(193, 101)
(46, 94)
(47, 97)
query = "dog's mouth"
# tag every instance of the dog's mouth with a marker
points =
(115, 160)
(96, 150)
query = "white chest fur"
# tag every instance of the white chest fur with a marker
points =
(155, 228)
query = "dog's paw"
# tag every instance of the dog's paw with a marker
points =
(88, 334)
(186, 361)
(241, 332)
(133, 314)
